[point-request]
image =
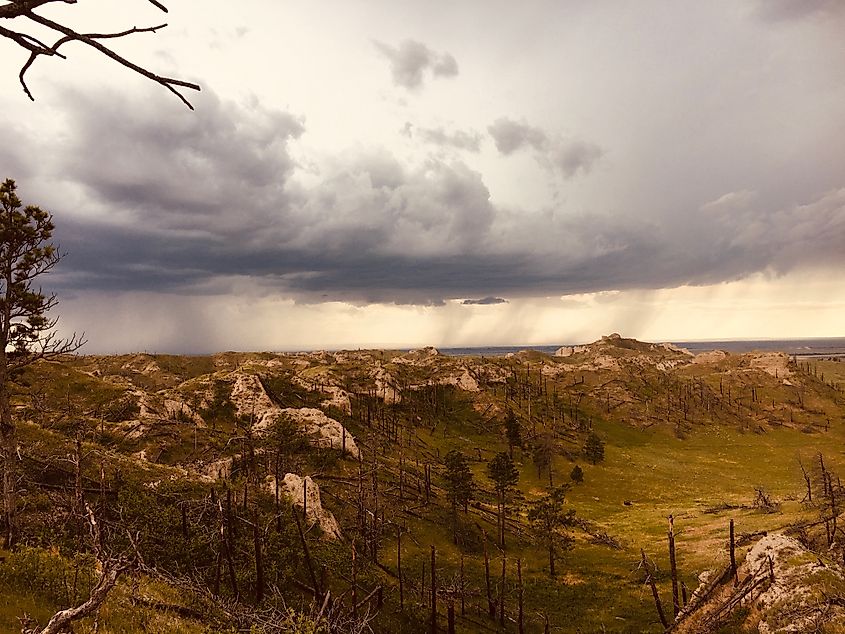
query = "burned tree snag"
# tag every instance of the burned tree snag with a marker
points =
(259, 561)
(354, 583)
(463, 588)
(676, 607)
(226, 543)
(733, 554)
(502, 593)
(807, 481)
(399, 568)
(491, 603)
(307, 553)
(649, 579)
(110, 570)
(519, 621)
(433, 591)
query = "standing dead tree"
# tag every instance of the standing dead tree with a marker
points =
(23, 11)
(649, 571)
(111, 567)
(676, 606)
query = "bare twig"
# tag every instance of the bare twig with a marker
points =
(25, 9)
(110, 570)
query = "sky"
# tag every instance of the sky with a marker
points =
(407, 173)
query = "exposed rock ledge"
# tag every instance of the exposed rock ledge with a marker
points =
(784, 587)
(292, 488)
(324, 431)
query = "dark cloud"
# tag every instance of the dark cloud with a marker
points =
(218, 172)
(14, 163)
(411, 59)
(565, 156)
(445, 65)
(458, 139)
(576, 156)
(784, 10)
(484, 301)
(196, 203)
(510, 136)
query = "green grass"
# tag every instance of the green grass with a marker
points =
(118, 615)
(687, 468)
(659, 475)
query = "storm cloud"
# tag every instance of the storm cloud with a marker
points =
(785, 10)
(195, 203)
(484, 301)
(510, 136)
(468, 140)
(412, 60)
(632, 155)
(565, 156)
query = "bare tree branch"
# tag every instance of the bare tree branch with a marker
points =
(16, 8)
(110, 570)
(24, 9)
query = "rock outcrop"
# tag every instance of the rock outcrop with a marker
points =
(322, 430)
(784, 587)
(304, 492)
(339, 398)
(568, 351)
(463, 380)
(252, 401)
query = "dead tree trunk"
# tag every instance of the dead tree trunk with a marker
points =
(259, 561)
(519, 621)
(491, 603)
(649, 579)
(502, 594)
(110, 571)
(225, 542)
(354, 584)
(307, 552)
(676, 604)
(463, 587)
(433, 591)
(399, 568)
(733, 554)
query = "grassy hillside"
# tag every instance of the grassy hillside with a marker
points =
(179, 457)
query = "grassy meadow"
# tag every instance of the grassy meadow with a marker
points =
(697, 441)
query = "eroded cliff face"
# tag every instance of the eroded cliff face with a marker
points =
(305, 493)
(782, 588)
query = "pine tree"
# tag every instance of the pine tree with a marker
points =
(594, 448)
(513, 432)
(26, 332)
(542, 454)
(459, 485)
(549, 520)
(577, 474)
(504, 475)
